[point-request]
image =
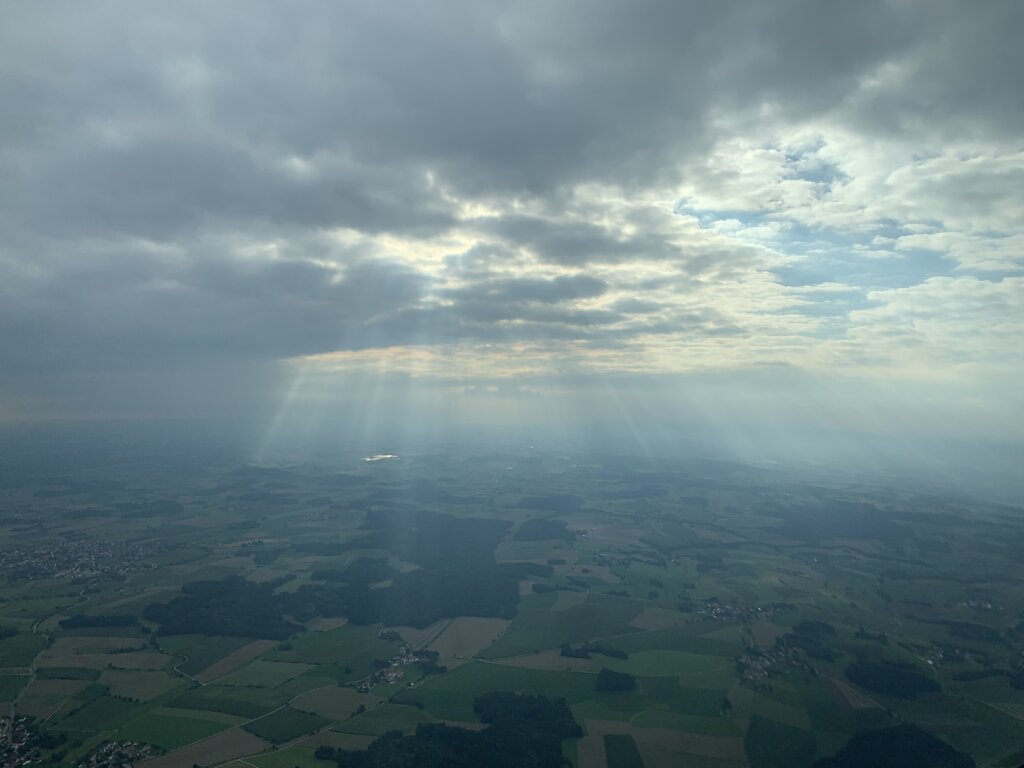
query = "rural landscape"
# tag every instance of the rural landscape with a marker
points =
(577, 384)
(576, 609)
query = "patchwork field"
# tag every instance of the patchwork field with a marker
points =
(232, 661)
(704, 620)
(682, 744)
(219, 748)
(265, 674)
(285, 724)
(465, 637)
(334, 703)
(169, 731)
(137, 684)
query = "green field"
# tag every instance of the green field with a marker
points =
(265, 674)
(737, 605)
(386, 717)
(204, 652)
(141, 685)
(169, 731)
(232, 701)
(285, 724)
(334, 703)
(351, 646)
(451, 696)
(11, 685)
(693, 670)
(774, 745)
(95, 714)
(68, 673)
(20, 650)
(537, 626)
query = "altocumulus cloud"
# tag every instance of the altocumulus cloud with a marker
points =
(533, 190)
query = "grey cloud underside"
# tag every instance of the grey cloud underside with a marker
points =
(201, 309)
(141, 150)
(143, 310)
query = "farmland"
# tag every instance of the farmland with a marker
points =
(748, 623)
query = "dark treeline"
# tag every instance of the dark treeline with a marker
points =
(610, 681)
(904, 681)
(239, 608)
(233, 607)
(88, 622)
(521, 731)
(903, 746)
(812, 637)
(585, 651)
(459, 576)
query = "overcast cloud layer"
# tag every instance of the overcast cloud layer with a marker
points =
(530, 197)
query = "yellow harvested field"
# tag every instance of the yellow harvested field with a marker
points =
(419, 638)
(766, 633)
(653, 617)
(854, 697)
(590, 752)
(234, 660)
(465, 637)
(43, 697)
(219, 748)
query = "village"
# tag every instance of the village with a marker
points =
(80, 560)
(391, 671)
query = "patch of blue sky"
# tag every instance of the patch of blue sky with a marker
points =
(850, 267)
(707, 218)
(799, 239)
(825, 174)
(828, 255)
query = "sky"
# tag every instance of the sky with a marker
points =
(774, 212)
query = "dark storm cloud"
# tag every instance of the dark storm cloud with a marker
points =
(526, 323)
(133, 308)
(958, 75)
(575, 243)
(120, 119)
(524, 289)
(145, 150)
